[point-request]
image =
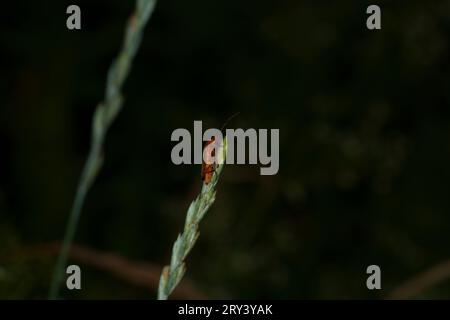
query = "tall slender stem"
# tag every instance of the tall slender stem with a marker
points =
(104, 116)
(173, 273)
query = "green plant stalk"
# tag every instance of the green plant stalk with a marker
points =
(104, 116)
(173, 273)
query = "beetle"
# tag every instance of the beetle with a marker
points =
(209, 166)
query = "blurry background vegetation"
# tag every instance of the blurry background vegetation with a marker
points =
(364, 156)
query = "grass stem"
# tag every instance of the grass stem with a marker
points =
(104, 116)
(173, 273)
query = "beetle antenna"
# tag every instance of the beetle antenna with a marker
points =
(229, 119)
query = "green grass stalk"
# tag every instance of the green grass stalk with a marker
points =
(173, 273)
(104, 116)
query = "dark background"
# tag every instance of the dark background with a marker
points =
(364, 146)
